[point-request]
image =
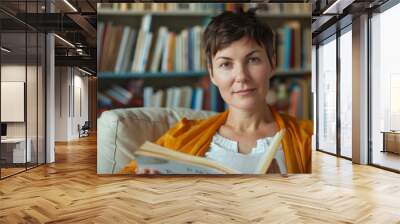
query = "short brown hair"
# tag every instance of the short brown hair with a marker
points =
(228, 27)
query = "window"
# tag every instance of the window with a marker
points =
(346, 92)
(385, 88)
(22, 74)
(327, 96)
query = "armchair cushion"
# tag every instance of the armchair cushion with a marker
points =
(121, 131)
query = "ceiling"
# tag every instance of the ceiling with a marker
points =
(76, 26)
(332, 15)
(79, 27)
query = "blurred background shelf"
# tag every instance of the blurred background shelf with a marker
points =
(128, 75)
(292, 73)
(133, 73)
(112, 12)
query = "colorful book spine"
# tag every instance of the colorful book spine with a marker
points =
(287, 46)
(145, 52)
(130, 51)
(161, 40)
(122, 48)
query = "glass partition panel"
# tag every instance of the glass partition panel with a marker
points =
(15, 151)
(346, 93)
(385, 89)
(32, 98)
(41, 99)
(22, 66)
(327, 96)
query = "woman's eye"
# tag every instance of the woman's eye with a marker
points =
(254, 60)
(224, 65)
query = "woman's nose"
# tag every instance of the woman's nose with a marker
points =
(240, 73)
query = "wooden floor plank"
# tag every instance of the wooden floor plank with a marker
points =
(70, 191)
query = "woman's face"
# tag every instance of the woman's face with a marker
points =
(241, 72)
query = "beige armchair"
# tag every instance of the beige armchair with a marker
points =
(121, 131)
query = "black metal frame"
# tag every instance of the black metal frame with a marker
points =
(369, 115)
(316, 98)
(338, 98)
(45, 90)
(25, 89)
(44, 79)
(0, 92)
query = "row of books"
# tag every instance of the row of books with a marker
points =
(293, 46)
(125, 49)
(117, 95)
(185, 96)
(136, 94)
(276, 8)
(292, 96)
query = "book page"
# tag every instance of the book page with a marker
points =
(168, 161)
(150, 149)
(165, 166)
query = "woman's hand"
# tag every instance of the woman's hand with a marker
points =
(146, 171)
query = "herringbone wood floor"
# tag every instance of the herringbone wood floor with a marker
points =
(69, 191)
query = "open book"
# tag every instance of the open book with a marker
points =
(168, 161)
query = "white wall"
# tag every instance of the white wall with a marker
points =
(360, 90)
(70, 83)
(13, 73)
(61, 103)
(80, 100)
(50, 96)
(33, 127)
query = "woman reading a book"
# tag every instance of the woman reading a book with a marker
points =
(241, 59)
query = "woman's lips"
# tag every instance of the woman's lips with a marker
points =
(244, 92)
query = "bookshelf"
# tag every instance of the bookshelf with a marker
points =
(264, 15)
(129, 75)
(113, 12)
(150, 72)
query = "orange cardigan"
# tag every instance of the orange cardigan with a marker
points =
(194, 137)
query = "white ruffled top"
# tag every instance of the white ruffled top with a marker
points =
(225, 151)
